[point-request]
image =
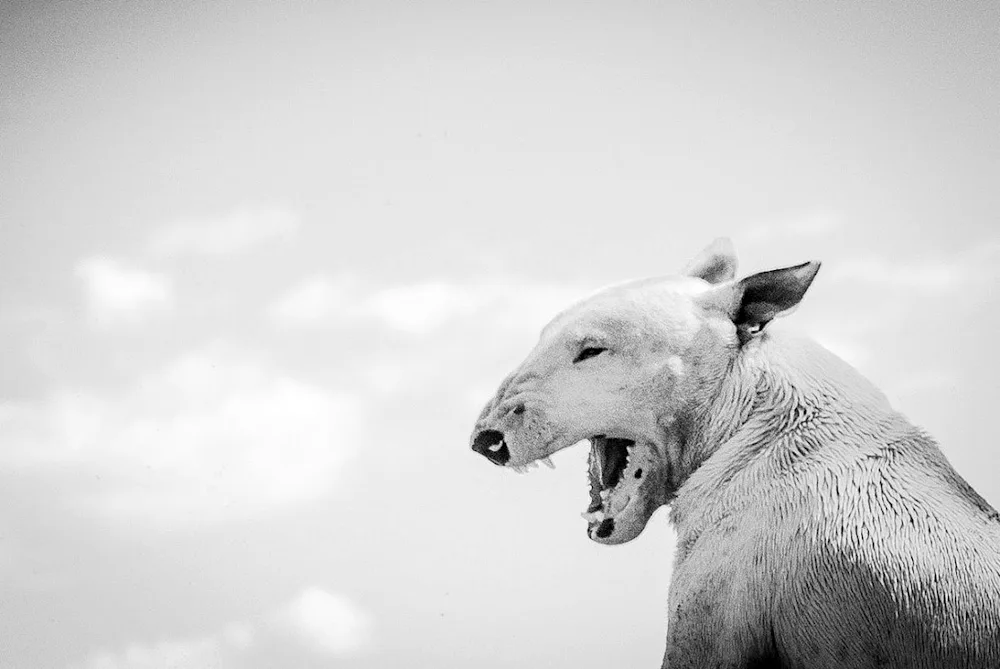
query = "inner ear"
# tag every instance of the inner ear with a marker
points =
(767, 295)
(715, 264)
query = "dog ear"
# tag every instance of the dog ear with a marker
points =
(715, 264)
(760, 298)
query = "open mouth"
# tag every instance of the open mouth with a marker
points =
(615, 472)
(608, 462)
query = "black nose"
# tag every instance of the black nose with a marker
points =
(491, 444)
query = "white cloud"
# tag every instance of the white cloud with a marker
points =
(239, 230)
(314, 299)
(423, 308)
(445, 319)
(206, 653)
(317, 621)
(817, 224)
(328, 624)
(208, 437)
(215, 651)
(388, 374)
(928, 276)
(967, 270)
(119, 294)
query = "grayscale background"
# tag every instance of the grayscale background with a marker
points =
(262, 263)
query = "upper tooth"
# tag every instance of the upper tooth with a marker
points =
(496, 447)
(548, 463)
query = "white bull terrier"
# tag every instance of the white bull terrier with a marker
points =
(817, 528)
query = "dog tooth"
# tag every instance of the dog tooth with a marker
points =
(548, 462)
(496, 447)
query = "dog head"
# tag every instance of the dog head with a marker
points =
(627, 369)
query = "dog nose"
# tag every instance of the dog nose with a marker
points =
(491, 444)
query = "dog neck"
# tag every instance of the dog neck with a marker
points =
(776, 389)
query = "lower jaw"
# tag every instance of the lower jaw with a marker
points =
(610, 470)
(602, 530)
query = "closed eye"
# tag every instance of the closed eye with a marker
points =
(589, 352)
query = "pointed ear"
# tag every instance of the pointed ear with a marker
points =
(755, 301)
(765, 296)
(715, 264)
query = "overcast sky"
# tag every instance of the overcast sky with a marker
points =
(261, 265)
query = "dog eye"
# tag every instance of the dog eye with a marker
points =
(589, 352)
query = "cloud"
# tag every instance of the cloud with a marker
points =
(440, 323)
(928, 276)
(817, 224)
(422, 308)
(215, 651)
(208, 437)
(236, 231)
(400, 371)
(194, 654)
(315, 621)
(326, 623)
(118, 294)
(976, 266)
(314, 299)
